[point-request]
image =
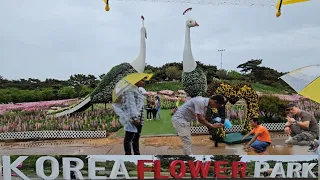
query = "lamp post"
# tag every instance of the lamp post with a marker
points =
(221, 50)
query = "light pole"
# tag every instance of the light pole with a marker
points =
(221, 50)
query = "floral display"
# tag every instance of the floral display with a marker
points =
(166, 92)
(101, 119)
(41, 105)
(234, 94)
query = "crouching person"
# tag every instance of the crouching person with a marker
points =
(302, 128)
(261, 139)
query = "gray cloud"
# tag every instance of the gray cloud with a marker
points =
(56, 39)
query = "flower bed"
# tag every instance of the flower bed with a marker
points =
(34, 106)
(96, 120)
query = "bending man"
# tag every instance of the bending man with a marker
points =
(194, 109)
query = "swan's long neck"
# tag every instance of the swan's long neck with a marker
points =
(140, 62)
(189, 63)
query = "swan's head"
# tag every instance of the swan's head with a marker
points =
(143, 32)
(143, 29)
(191, 23)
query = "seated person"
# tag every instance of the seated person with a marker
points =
(302, 128)
(261, 139)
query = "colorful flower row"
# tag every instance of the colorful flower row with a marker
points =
(32, 106)
(100, 119)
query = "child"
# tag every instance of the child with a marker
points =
(261, 140)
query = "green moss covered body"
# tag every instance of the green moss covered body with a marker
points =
(195, 83)
(103, 93)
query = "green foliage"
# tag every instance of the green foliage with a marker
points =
(272, 108)
(173, 72)
(263, 79)
(66, 92)
(173, 86)
(195, 83)
(103, 93)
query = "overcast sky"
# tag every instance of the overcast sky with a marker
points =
(55, 39)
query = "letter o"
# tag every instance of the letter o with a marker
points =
(172, 168)
(54, 167)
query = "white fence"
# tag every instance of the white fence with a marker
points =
(103, 134)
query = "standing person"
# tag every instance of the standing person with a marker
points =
(261, 139)
(131, 112)
(302, 128)
(149, 109)
(194, 109)
(157, 107)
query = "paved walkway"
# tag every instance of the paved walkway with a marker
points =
(201, 145)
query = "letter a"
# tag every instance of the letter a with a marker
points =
(119, 165)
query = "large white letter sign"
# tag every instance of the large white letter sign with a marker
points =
(92, 168)
(278, 169)
(119, 165)
(67, 169)
(291, 170)
(54, 167)
(307, 170)
(7, 167)
(258, 169)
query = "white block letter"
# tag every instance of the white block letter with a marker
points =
(293, 168)
(7, 167)
(278, 169)
(92, 168)
(258, 169)
(307, 170)
(54, 167)
(67, 169)
(119, 165)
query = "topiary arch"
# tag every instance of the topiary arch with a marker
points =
(234, 94)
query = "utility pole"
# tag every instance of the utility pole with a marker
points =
(221, 50)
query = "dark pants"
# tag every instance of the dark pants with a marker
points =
(132, 138)
(149, 113)
(260, 146)
(154, 113)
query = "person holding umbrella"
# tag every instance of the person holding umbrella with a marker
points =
(129, 106)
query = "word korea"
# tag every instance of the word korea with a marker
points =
(198, 169)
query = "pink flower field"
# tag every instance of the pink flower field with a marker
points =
(33, 106)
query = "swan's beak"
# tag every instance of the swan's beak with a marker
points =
(196, 24)
(145, 35)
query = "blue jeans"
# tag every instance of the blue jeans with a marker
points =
(260, 146)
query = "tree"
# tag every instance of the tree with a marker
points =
(271, 107)
(250, 65)
(66, 93)
(173, 72)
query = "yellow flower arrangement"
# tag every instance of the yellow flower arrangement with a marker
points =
(234, 94)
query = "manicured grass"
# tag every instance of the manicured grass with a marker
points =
(156, 127)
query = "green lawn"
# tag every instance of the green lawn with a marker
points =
(156, 127)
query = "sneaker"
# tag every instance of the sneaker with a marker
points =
(312, 148)
(288, 140)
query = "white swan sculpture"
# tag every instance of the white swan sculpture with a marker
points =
(193, 78)
(103, 92)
